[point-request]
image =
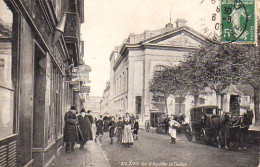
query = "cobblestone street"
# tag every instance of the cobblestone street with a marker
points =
(156, 149)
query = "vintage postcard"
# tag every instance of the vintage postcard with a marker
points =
(140, 83)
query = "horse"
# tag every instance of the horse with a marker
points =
(246, 121)
(235, 128)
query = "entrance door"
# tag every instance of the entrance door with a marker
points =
(138, 101)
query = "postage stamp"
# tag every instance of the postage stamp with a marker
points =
(238, 21)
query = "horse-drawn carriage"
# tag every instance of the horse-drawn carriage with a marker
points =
(211, 126)
(158, 120)
(204, 123)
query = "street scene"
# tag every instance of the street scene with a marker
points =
(153, 149)
(129, 83)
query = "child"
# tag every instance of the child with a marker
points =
(120, 128)
(99, 126)
(136, 128)
(112, 126)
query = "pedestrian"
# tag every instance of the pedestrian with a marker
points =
(132, 121)
(127, 139)
(173, 125)
(120, 128)
(90, 116)
(105, 120)
(85, 132)
(70, 129)
(112, 127)
(99, 128)
(136, 128)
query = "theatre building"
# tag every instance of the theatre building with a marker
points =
(134, 63)
(140, 56)
(35, 75)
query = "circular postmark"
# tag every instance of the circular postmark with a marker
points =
(234, 22)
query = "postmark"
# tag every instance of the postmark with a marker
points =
(238, 21)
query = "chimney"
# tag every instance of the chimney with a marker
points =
(169, 25)
(180, 23)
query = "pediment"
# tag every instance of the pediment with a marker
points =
(180, 38)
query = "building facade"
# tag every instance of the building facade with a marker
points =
(134, 63)
(35, 87)
(93, 103)
(105, 106)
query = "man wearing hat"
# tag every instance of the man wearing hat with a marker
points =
(70, 129)
(85, 132)
(90, 116)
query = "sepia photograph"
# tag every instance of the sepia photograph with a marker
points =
(137, 83)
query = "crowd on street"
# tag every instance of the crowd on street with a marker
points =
(78, 128)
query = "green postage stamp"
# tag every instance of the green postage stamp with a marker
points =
(238, 21)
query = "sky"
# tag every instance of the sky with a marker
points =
(109, 22)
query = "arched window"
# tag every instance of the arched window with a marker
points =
(159, 69)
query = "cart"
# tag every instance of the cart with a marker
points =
(158, 120)
(204, 123)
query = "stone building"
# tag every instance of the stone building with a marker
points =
(133, 64)
(35, 77)
(105, 106)
(93, 103)
(138, 58)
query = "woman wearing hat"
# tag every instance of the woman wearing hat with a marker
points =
(85, 132)
(173, 125)
(70, 129)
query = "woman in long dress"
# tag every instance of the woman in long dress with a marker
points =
(173, 125)
(127, 139)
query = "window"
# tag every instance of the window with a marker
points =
(159, 69)
(7, 88)
(201, 100)
(158, 99)
(179, 105)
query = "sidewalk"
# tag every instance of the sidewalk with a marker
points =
(92, 155)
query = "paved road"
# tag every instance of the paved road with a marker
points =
(155, 150)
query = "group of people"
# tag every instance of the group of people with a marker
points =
(122, 129)
(77, 129)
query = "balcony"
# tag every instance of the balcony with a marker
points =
(72, 36)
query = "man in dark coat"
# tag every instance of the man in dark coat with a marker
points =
(85, 132)
(90, 116)
(70, 129)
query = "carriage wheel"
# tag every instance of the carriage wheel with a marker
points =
(203, 138)
(159, 129)
(147, 126)
(188, 132)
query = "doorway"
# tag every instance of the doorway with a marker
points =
(138, 101)
(234, 104)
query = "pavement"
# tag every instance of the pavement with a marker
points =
(91, 156)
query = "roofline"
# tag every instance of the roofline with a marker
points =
(200, 36)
